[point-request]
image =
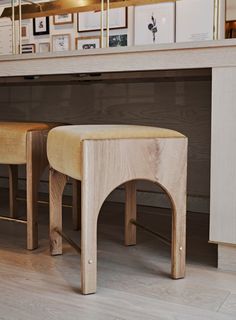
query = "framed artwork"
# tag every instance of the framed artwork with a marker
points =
(61, 42)
(25, 32)
(28, 48)
(188, 15)
(63, 18)
(41, 26)
(230, 10)
(154, 23)
(85, 43)
(90, 21)
(44, 47)
(119, 40)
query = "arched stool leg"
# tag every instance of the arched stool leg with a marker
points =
(76, 205)
(130, 213)
(178, 250)
(13, 186)
(173, 177)
(57, 182)
(36, 162)
(88, 241)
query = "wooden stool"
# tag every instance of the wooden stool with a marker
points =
(104, 157)
(25, 143)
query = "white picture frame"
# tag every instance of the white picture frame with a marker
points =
(85, 43)
(194, 20)
(61, 42)
(44, 47)
(91, 21)
(66, 18)
(154, 23)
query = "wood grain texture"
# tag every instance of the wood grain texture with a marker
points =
(130, 213)
(57, 182)
(13, 186)
(36, 162)
(133, 282)
(187, 109)
(109, 163)
(76, 204)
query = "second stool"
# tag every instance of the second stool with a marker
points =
(25, 143)
(103, 157)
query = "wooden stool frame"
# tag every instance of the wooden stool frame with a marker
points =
(36, 163)
(106, 164)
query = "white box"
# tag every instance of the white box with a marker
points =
(194, 20)
(154, 23)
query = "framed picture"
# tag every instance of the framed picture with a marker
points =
(119, 40)
(90, 21)
(41, 26)
(25, 32)
(61, 42)
(85, 43)
(230, 10)
(63, 18)
(154, 23)
(44, 47)
(188, 15)
(28, 48)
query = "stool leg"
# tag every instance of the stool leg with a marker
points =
(57, 182)
(178, 251)
(88, 241)
(76, 205)
(36, 163)
(13, 186)
(130, 213)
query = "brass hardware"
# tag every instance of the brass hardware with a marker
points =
(12, 219)
(51, 8)
(67, 239)
(45, 202)
(159, 236)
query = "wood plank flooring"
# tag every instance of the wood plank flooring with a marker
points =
(133, 282)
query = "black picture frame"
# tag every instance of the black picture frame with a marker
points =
(40, 33)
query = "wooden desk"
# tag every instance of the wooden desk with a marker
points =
(220, 57)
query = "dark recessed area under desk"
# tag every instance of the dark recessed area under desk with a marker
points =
(116, 77)
(175, 99)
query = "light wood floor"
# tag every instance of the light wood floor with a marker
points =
(133, 283)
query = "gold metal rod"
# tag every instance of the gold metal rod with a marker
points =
(20, 25)
(13, 25)
(44, 202)
(108, 23)
(13, 220)
(102, 18)
(67, 239)
(159, 236)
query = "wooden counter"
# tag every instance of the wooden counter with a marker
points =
(217, 56)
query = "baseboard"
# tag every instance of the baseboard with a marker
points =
(151, 199)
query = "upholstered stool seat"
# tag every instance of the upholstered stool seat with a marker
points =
(103, 157)
(25, 143)
(13, 140)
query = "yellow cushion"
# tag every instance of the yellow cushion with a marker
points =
(13, 140)
(64, 142)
